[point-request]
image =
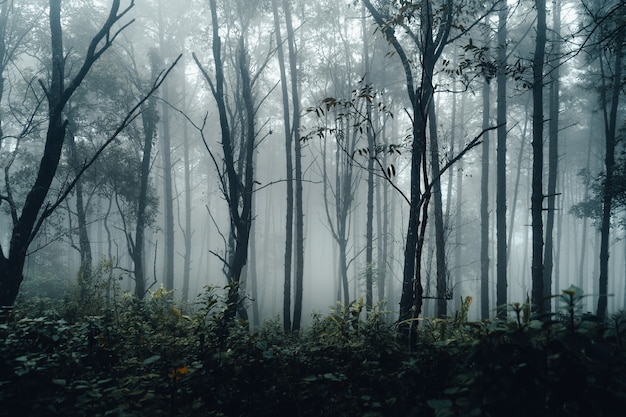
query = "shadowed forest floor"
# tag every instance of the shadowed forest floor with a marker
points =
(158, 358)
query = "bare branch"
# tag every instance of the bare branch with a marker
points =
(130, 117)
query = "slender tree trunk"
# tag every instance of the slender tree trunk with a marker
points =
(188, 231)
(459, 227)
(501, 235)
(84, 243)
(369, 221)
(609, 166)
(484, 208)
(136, 246)
(166, 160)
(583, 246)
(251, 272)
(298, 174)
(238, 186)
(537, 174)
(553, 155)
(440, 238)
(289, 175)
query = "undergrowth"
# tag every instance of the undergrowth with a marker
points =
(120, 356)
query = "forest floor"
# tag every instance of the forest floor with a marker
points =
(156, 357)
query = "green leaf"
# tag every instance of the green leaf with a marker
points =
(151, 359)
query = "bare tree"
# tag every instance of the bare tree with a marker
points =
(537, 146)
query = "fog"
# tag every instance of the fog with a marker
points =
(354, 116)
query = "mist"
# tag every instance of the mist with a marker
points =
(307, 103)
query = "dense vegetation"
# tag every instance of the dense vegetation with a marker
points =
(112, 354)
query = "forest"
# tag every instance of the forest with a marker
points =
(324, 207)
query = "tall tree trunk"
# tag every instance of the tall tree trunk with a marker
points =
(501, 235)
(251, 271)
(440, 238)
(298, 174)
(237, 186)
(458, 277)
(484, 207)
(537, 172)
(149, 119)
(553, 154)
(369, 221)
(583, 246)
(166, 160)
(609, 167)
(84, 244)
(188, 231)
(289, 175)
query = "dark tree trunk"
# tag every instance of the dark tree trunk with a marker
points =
(369, 221)
(440, 243)
(166, 160)
(537, 171)
(298, 175)
(420, 97)
(84, 243)
(188, 230)
(484, 208)
(136, 246)
(501, 235)
(553, 156)
(609, 166)
(289, 175)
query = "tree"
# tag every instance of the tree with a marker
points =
(537, 170)
(289, 172)
(298, 196)
(237, 177)
(484, 206)
(166, 160)
(339, 190)
(615, 43)
(369, 228)
(553, 152)
(434, 35)
(27, 223)
(149, 120)
(501, 235)
(84, 244)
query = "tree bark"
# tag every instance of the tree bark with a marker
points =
(136, 246)
(537, 171)
(484, 208)
(289, 174)
(440, 239)
(609, 166)
(298, 174)
(501, 235)
(84, 243)
(369, 221)
(166, 160)
(553, 156)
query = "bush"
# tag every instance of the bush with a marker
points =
(159, 358)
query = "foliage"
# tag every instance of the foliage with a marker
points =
(158, 357)
(570, 365)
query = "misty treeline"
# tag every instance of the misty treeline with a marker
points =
(300, 153)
